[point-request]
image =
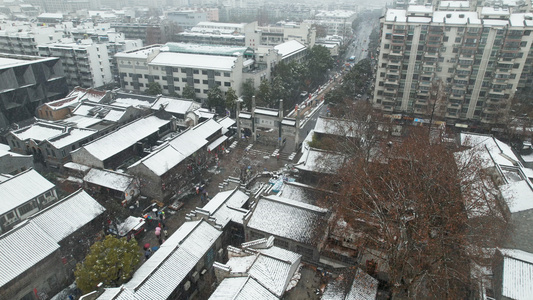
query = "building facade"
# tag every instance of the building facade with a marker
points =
(85, 63)
(26, 82)
(459, 66)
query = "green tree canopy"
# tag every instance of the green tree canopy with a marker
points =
(231, 98)
(215, 98)
(154, 88)
(188, 92)
(318, 62)
(110, 261)
(248, 91)
(264, 94)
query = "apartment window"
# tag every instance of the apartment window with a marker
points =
(206, 91)
(156, 77)
(141, 85)
(164, 78)
(458, 39)
(176, 79)
(175, 70)
(204, 81)
(226, 74)
(195, 71)
(177, 88)
(217, 73)
(445, 39)
(227, 84)
(387, 46)
(165, 87)
(196, 80)
(389, 26)
(183, 80)
(218, 83)
(197, 90)
(204, 72)
(183, 71)
(145, 76)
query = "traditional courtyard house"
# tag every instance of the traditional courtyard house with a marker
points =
(23, 195)
(173, 165)
(49, 142)
(62, 108)
(39, 256)
(259, 270)
(180, 269)
(228, 208)
(296, 226)
(128, 141)
(117, 185)
(13, 163)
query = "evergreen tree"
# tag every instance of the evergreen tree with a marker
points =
(248, 91)
(110, 261)
(189, 93)
(154, 88)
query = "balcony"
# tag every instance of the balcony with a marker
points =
(431, 54)
(391, 81)
(457, 97)
(497, 92)
(392, 72)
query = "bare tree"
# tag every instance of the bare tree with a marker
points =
(429, 212)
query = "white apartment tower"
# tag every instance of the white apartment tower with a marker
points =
(466, 65)
(86, 63)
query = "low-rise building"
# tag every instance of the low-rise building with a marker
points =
(49, 142)
(168, 169)
(113, 184)
(13, 163)
(40, 255)
(60, 109)
(128, 141)
(243, 275)
(296, 226)
(202, 67)
(180, 268)
(23, 195)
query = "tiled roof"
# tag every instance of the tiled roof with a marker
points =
(160, 275)
(21, 188)
(68, 215)
(109, 179)
(36, 238)
(289, 219)
(22, 248)
(517, 281)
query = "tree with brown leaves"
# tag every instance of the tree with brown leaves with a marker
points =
(429, 211)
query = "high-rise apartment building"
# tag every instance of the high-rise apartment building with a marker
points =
(85, 63)
(457, 65)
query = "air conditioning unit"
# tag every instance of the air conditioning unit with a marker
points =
(195, 276)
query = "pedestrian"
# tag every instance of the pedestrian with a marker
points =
(137, 203)
(160, 241)
(206, 196)
(148, 253)
(166, 233)
(157, 231)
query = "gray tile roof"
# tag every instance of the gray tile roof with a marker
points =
(289, 219)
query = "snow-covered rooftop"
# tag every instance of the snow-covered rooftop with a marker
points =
(517, 281)
(39, 131)
(109, 179)
(179, 148)
(38, 237)
(197, 61)
(21, 188)
(289, 219)
(175, 259)
(289, 48)
(68, 215)
(267, 271)
(319, 161)
(175, 106)
(227, 206)
(124, 137)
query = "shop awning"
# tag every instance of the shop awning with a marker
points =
(216, 143)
